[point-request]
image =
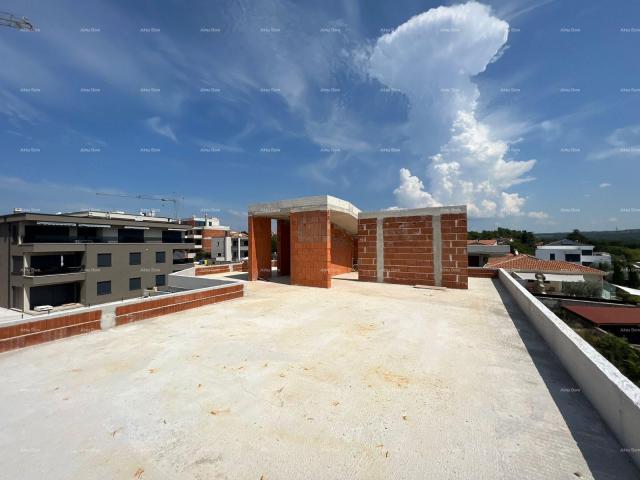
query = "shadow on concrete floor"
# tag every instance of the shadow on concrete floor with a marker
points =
(598, 446)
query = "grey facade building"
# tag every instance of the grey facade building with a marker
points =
(85, 258)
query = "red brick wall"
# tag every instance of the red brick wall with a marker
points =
(48, 329)
(259, 247)
(310, 249)
(454, 250)
(342, 251)
(480, 272)
(367, 249)
(224, 268)
(408, 250)
(284, 247)
(165, 305)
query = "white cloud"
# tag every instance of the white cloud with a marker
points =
(605, 185)
(411, 192)
(432, 58)
(538, 215)
(164, 129)
(622, 143)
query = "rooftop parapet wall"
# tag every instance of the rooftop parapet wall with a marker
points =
(34, 330)
(425, 246)
(616, 399)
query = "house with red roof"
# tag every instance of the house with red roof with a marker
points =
(480, 251)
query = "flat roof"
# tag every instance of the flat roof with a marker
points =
(88, 220)
(413, 212)
(343, 213)
(364, 380)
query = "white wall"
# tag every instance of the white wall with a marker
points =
(616, 399)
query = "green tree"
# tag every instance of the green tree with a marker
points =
(633, 280)
(576, 236)
(618, 274)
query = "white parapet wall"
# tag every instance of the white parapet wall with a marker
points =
(616, 399)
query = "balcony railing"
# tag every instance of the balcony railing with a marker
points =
(37, 272)
(28, 240)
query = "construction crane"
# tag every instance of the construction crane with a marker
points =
(10, 20)
(156, 198)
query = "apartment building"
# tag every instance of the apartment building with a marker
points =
(203, 231)
(85, 258)
(233, 247)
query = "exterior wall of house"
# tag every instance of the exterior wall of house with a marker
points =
(311, 248)
(560, 252)
(421, 246)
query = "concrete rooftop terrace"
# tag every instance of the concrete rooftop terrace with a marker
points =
(363, 381)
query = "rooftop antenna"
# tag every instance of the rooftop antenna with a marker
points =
(9, 20)
(156, 198)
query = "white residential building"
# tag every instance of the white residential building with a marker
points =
(570, 251)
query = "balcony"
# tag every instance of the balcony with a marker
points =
(38, 272)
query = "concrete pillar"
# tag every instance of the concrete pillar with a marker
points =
(259, 247)
(284, 247)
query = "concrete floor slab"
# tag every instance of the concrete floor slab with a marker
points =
(363, 381)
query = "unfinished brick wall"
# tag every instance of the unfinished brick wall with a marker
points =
(165, 305)
(259, 247)
(426, 248)
(408, 250)
(367, 249)
(48, 329)
(223, 268)
(311, 249)
(342, 251)
(454, 250)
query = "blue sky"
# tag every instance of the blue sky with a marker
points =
(528, 114)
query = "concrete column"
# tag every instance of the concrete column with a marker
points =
(284, 247)
(259, 247)
(437, 249)
(380, 250)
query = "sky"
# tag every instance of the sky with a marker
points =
(527, 112)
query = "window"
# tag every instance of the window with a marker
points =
(130, 235)
(135, 258)
(171, 236)
(135, 283)
(552, 256)
(160, 257)
(160, 280)
(587, 253)
(104, 288)
(104, 259)
(572, 257)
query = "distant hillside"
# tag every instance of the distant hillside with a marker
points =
(624, 236)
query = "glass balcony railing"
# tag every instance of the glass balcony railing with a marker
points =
(37, 272)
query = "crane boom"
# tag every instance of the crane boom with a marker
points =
(10, 20)
(174, 200)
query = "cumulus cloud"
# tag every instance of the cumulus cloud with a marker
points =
(538, 215)
(432, 59)
(605, 185)
(164, 129)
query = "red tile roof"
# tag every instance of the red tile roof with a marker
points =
(482, 242)
(528, 263)
(607, 314)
